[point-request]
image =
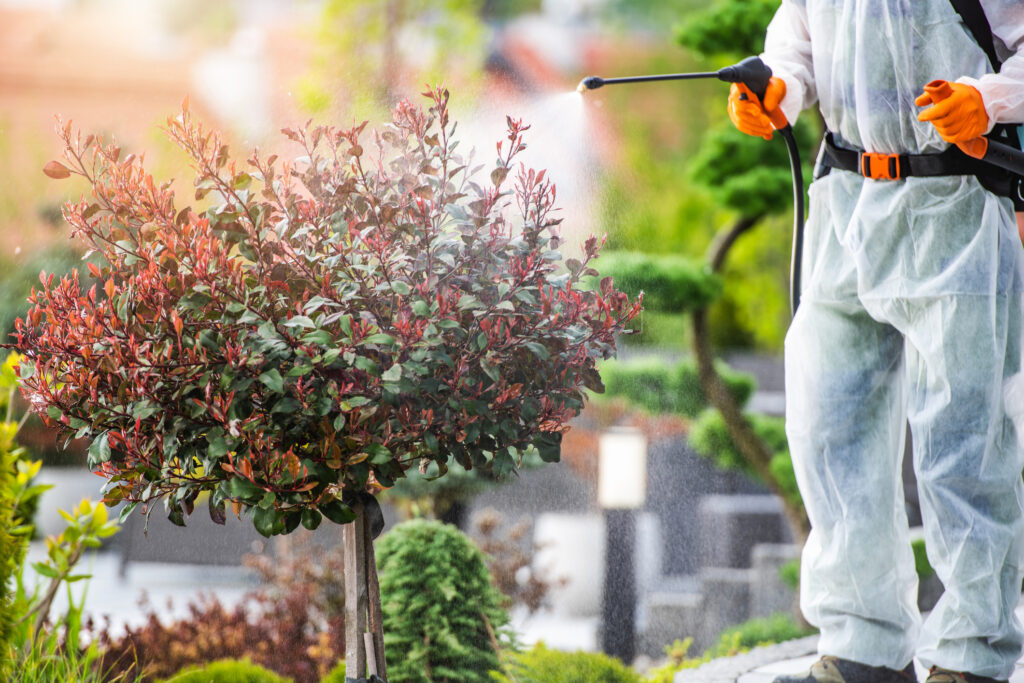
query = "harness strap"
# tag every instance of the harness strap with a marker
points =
(973, 15)
(896, 166)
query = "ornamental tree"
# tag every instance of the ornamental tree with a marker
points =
(324, 324)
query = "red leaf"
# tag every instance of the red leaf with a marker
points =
(56, 170)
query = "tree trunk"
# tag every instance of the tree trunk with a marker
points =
(364, 635)
(753, 449)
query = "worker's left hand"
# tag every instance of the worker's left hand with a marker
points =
(958, 118)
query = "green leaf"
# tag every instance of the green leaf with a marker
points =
(268, 521)
(300, 370)
(392, 374)
(379, 455)
(490, 369)
(299, 321)
(421, 308)
(399, 287)
(144, 409)
(273, 380)
(549, 446)
(311, 519)
(242, 489)
(337, 512)
(319, 337)
(285, 405)
(103, 448)
(126, 511)
(381, 338)
(468, 301)
(218, 447)
(175, 515)
(45, 570)
(538, 349)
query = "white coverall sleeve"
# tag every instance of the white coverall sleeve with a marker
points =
(1003, 92)
(787, 51)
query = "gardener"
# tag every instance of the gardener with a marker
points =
(911, 307)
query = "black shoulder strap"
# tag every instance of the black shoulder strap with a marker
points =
(977, 23)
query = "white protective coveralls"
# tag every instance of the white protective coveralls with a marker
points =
(911, 308)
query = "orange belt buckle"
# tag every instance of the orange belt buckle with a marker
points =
(880, 166)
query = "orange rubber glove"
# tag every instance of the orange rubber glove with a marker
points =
(747, 114)
(959, 117)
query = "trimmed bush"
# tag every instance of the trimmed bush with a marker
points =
(443, 619)
(228, 671)
(541, 665)
(658, 386)
(671, 284)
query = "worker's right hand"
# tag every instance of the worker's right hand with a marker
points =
(748, 115)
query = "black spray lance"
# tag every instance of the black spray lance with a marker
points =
(754, 74)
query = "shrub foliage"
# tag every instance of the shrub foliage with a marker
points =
(444, 621)
(326, 324)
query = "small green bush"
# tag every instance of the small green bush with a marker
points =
(443, 618)
(777, 628)
(659, 386)
(228, 671)
(541, 665)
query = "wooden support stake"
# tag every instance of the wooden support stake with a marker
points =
(355, 595)
(371, 653)
(376, 613)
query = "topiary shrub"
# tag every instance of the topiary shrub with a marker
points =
(659, 386)
(444, 621)
(541, 665)
(228, 671)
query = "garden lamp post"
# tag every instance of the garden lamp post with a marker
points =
(622, 488)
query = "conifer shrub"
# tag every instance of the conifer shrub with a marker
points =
(541, 665)
(228, 671)
(444, 621)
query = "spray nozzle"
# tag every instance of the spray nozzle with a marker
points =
(752, 72)
(590, 83)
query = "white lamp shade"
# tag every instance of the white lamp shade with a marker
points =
(622, 468)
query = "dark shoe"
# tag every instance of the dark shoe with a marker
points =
(937, 675)
(836, 670)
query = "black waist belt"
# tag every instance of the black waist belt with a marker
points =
(895, 166)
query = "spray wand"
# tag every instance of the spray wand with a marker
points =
(753, 75)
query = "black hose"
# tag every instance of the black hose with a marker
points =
(795, 265)
(756, 75)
